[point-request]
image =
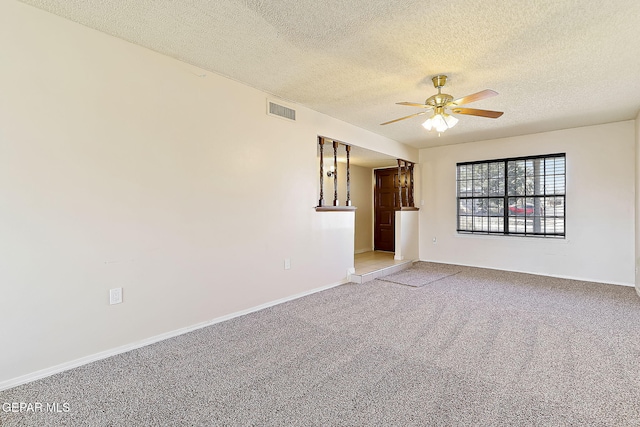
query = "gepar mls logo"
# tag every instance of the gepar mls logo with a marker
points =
(33, 407)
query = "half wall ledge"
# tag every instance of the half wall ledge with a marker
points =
(335, 208)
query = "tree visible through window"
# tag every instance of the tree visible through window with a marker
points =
(522, 196)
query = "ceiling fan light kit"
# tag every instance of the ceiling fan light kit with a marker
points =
(441, 120)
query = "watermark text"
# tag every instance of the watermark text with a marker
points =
(49, 407)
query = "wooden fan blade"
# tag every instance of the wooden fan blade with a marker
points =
(487, 93)
(413, 104)
(402, 118)
(474, 112)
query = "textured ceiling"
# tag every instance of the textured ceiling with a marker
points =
(555, 63)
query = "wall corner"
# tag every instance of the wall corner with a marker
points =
(637, 204)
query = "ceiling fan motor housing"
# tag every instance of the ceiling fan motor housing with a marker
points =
(439, 100)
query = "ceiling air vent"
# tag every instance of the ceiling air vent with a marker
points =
(278, 110)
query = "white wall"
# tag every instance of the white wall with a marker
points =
(637, 205)
(407, 235)
(599, 206)
(121, 167)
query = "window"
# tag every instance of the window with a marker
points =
(522, 196)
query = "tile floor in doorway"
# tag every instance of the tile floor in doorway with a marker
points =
(369, 265)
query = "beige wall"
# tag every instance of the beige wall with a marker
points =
(362, 194)
(600, 206)
(121, 167)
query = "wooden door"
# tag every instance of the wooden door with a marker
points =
(385, 205)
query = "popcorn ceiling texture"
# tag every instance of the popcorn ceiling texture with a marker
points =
(555, 64)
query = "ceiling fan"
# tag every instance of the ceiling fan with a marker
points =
(441, 102)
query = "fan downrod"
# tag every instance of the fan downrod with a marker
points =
(440, 99)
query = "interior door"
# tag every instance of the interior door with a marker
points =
(385, 205)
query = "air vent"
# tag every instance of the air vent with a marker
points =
(278, 110)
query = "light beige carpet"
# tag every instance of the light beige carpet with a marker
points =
(477, 348)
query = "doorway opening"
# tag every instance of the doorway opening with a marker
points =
(372, 249)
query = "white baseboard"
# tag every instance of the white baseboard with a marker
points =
(361, 251)
(43, 373)
(557, 276)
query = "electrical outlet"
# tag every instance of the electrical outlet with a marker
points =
(287, 264)
(115, 296)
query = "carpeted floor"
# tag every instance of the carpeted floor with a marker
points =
(475, 348)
